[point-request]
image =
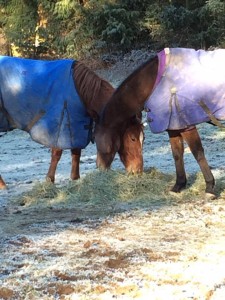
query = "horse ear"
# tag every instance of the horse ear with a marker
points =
(94, 115)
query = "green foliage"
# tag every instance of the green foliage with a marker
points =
(213, 14)
(75, 28)
(20, 23)
(201, 27)
(115, 25)
(175, 18)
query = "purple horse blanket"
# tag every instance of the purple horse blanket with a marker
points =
(189, 87)
(40, 97)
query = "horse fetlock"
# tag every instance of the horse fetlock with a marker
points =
(210, 184)
(178, 187)
(74, 177)
(210, 189)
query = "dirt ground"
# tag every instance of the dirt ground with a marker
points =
(164, 247)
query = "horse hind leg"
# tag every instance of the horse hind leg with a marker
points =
(2, 183)
(177, 146)
(194, 142)
(75, 170)
(55, 157)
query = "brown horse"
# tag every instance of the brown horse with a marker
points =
(94, 92)
(139, 90)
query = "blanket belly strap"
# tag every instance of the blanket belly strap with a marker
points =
(211, 116)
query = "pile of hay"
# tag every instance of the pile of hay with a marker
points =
(112, 191)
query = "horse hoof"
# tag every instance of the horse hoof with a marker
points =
(210, 196)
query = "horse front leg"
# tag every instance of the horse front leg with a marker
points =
(2, 183)
(56, 154)
(75, 170)
(177, 146)
(194, 142)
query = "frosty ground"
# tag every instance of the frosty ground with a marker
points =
(158, 246)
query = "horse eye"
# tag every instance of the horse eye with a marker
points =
(133, 139)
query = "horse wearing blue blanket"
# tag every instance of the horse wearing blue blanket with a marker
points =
(56, 103)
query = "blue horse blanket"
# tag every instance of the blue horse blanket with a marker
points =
(188, 81)
(40, 97)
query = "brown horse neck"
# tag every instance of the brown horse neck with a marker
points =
(129, 98)
(93, 90)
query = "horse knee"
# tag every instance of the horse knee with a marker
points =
(56, 154)
(177, 156)
(177, 147)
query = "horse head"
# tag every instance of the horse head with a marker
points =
(126, 139)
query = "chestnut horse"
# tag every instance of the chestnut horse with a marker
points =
(140, 90)
(94, 92)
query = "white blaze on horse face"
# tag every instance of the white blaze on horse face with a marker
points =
(141, 138)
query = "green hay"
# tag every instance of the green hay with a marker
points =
(111, 191)
(43, 192)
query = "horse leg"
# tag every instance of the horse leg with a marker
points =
(56, 154)
(177, 146)
(2, 183)
(75, 170)
(194, 142)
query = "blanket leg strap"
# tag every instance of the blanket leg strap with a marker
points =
(211, 116)
(34, 120)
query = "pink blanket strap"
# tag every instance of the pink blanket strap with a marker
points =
(161, 67)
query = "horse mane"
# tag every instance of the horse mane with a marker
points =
(137, 70)
(91, 87)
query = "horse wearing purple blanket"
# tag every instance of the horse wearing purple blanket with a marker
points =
(178, 88)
